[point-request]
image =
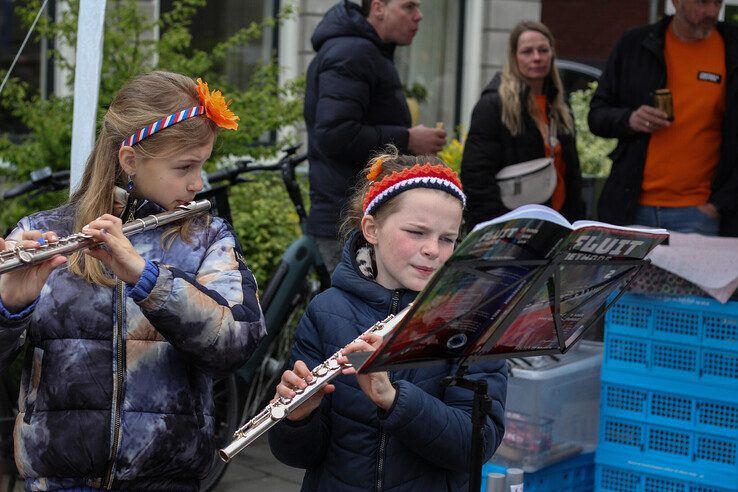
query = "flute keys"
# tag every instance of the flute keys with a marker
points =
(278, 412)
(321, 370)
(25, 256)
(332, 364)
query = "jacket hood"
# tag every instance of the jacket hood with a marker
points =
(345, 20)
(349, 278)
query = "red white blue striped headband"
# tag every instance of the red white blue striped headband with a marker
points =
(163, 123)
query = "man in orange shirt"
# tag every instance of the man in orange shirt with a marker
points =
(681, 174)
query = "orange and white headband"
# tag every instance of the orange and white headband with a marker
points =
(433, 176)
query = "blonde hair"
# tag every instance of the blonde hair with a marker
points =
(513, 86)
(141, 101)
(391, 161)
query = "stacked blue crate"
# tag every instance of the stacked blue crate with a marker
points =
(573, 475)
(669, 399)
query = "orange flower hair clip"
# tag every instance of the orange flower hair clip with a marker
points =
(216, 107)
(213, 105)
(375, 169)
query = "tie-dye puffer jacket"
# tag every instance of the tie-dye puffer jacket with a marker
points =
(129, 404)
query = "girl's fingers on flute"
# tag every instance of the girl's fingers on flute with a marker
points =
(27, 243)
(290, 381)
(48, 266)
(100, 254)
(355, 346)
(40, 236)
(111, 224)
(372, 339)
(29, 239)
(284, 390)
(302, 371)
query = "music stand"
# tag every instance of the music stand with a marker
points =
(550, 278)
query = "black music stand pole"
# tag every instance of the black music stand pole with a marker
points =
(481, 407)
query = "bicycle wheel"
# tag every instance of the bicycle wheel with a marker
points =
(227, 415)
(266, 377)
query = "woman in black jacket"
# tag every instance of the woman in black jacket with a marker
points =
(522, 116)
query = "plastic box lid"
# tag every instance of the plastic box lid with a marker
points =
(583, 357)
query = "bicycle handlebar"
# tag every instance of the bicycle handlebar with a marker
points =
(289, 161)
(41, 180)
(45, 180)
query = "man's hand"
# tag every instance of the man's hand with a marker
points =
(710, 210)
(424, 140)
(648, 119)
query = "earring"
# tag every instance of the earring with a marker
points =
(130, 184)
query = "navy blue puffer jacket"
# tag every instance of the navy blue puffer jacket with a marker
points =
(354, 105)
(421, 444)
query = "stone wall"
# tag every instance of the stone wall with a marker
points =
(499, 19)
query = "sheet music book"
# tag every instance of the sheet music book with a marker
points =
(525, 283)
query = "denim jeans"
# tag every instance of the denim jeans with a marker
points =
(678, 219)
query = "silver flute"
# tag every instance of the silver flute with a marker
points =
(17, 257)
(281, 407)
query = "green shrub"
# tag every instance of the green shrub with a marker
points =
(453, 151)
(593, 151)
(265, 221)
(264, 107)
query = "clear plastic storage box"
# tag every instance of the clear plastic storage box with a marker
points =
(552, 408)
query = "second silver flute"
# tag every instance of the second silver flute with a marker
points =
(281, 407)
(15, 258)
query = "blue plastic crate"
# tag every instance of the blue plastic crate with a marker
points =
(700, 408)
(687, 319)
(573, 475)
(621, 473)
(683, 338)
(679, 445)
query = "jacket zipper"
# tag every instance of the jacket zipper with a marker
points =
(120, 361)
(394, 308)
(395, 303)
(117, 384)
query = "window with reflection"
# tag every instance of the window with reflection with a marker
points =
(222, 18)
(432, 61)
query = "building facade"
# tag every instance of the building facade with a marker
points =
(460, 46)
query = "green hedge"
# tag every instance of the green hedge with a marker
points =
(264, 218)
(593, 150)
(265, 222)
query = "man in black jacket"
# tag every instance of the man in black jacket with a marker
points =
(354, 105)
(680, 174)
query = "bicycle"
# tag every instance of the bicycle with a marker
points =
(298, 277)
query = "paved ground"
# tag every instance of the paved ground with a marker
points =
(256, 470)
